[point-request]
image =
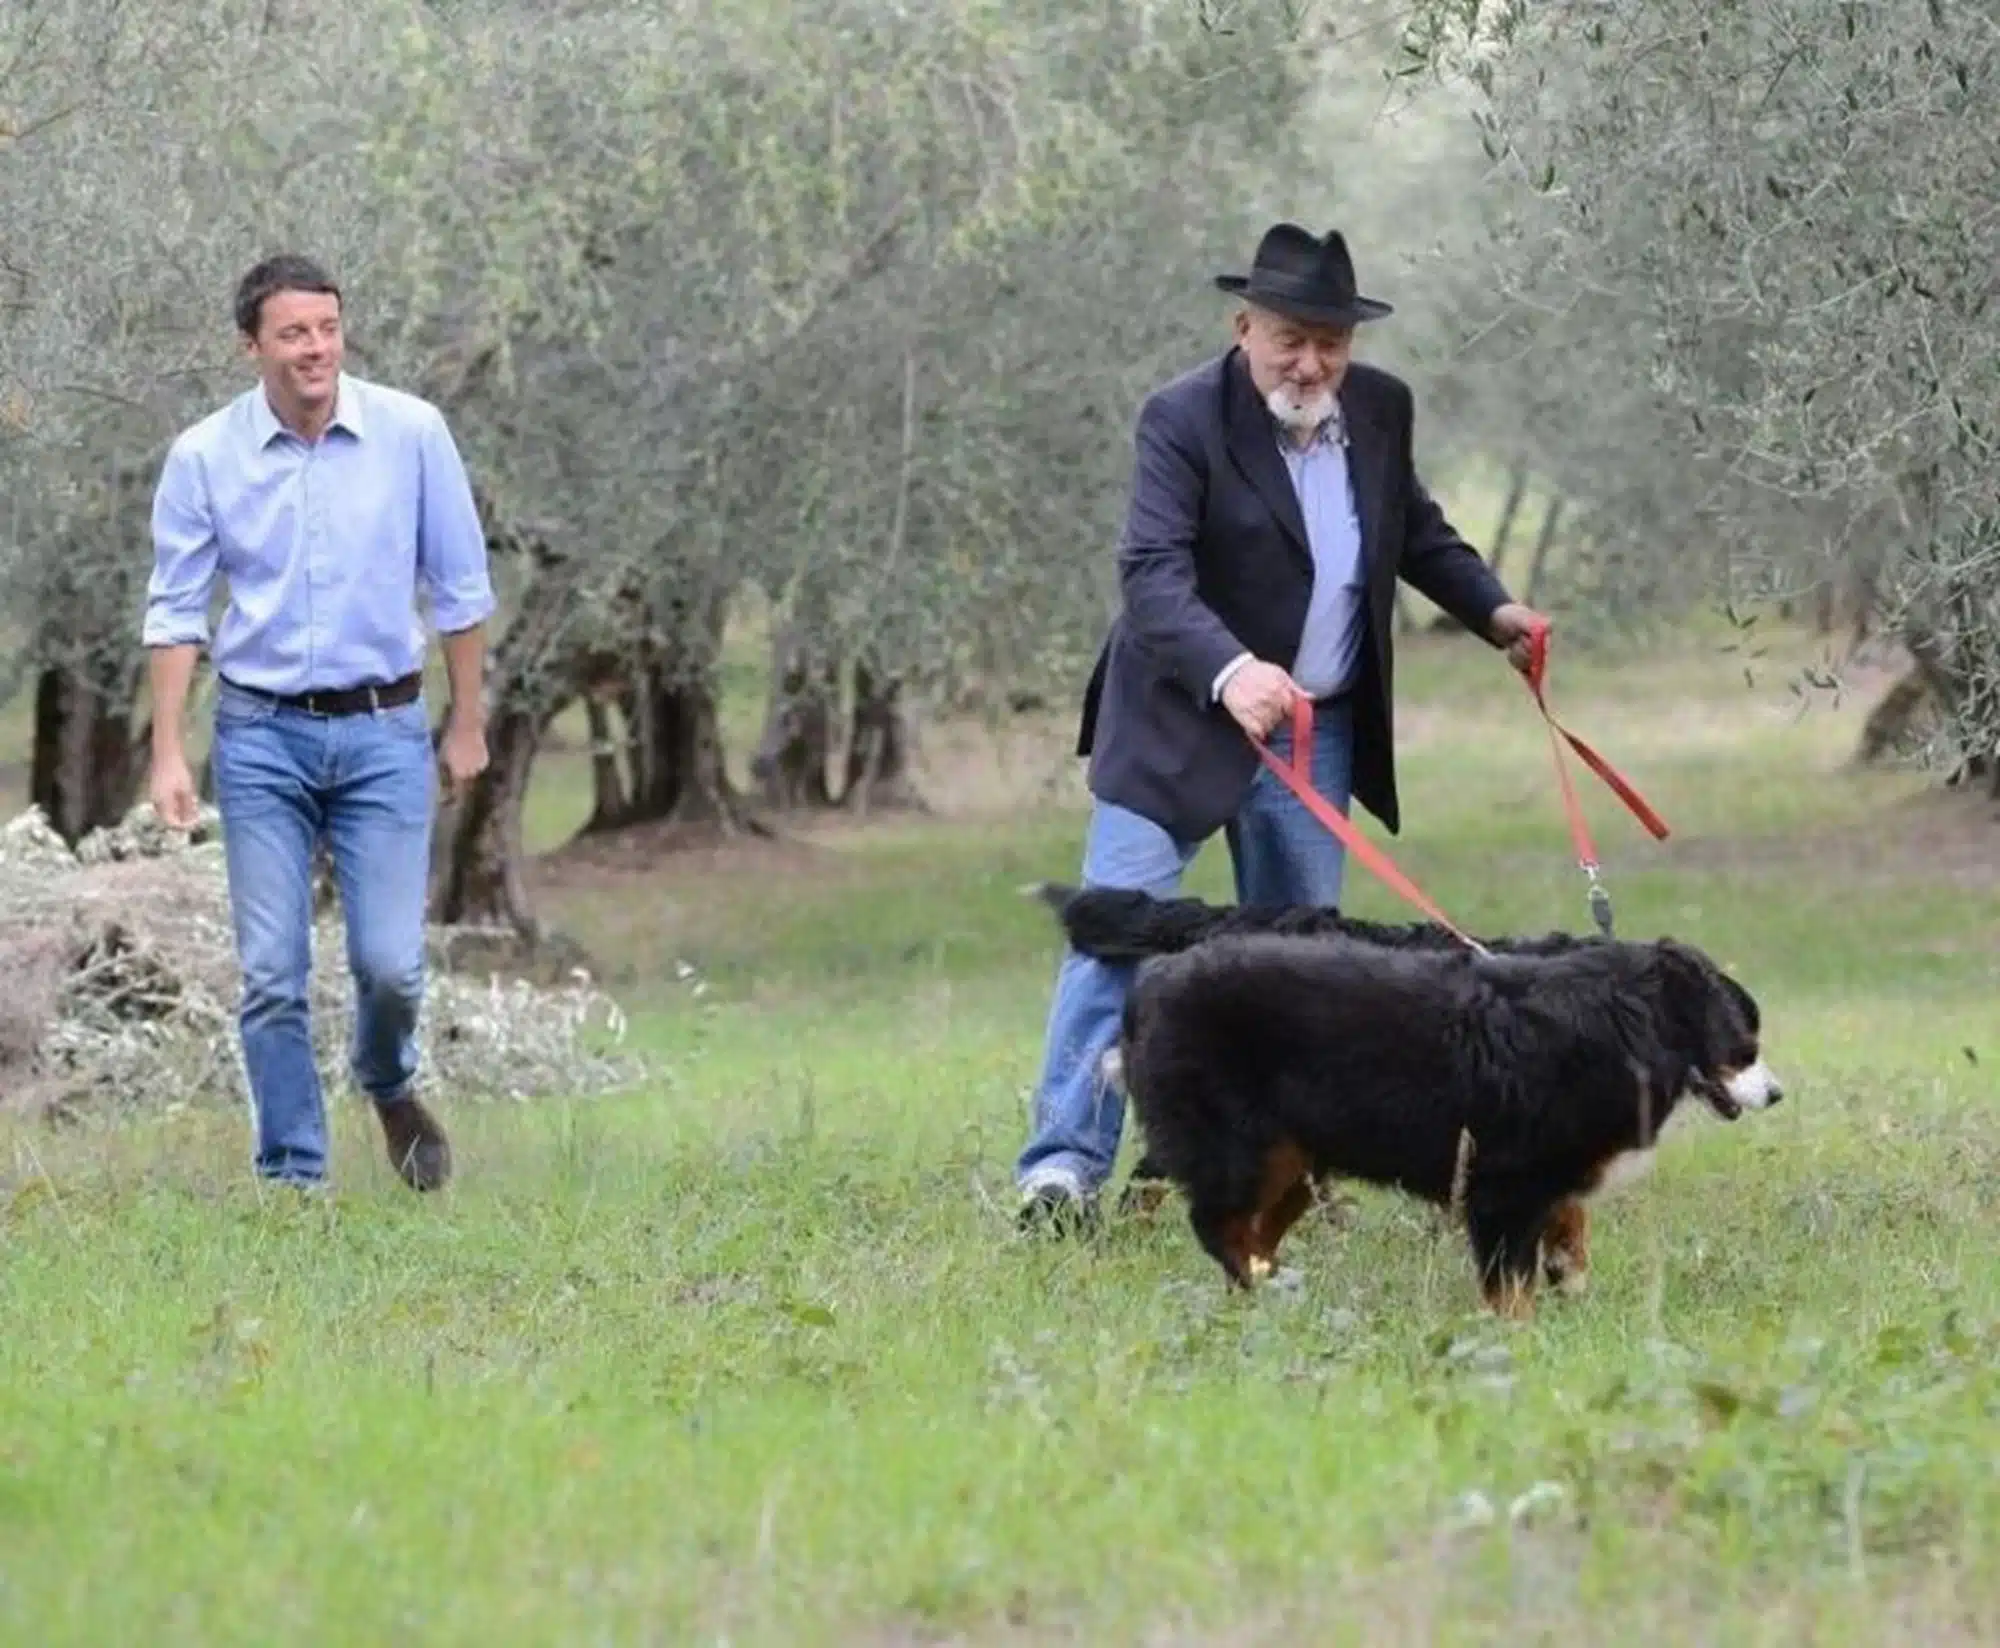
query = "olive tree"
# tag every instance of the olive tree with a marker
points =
(1786, 211)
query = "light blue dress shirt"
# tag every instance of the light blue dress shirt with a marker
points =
(1336, 616)
(324, 546)
(1330, 643)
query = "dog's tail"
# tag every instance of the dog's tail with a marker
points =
(1124, 924)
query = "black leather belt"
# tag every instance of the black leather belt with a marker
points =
(342, 700)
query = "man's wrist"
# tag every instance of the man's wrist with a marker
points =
(1222, 676)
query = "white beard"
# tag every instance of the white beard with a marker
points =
(1300, 417)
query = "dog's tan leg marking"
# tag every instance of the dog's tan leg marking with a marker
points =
(1512, 1297)
(1276, 1220)
(1566, 1246)
(1285, 1193)
(1239, 1237)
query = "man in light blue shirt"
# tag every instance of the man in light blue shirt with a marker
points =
(326, 504)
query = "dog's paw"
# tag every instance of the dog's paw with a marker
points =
(1143, 1199)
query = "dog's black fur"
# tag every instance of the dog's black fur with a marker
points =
(1125, 925)
(1255, 1060)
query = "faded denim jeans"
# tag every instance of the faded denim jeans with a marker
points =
(1281, 855)
(367, 784)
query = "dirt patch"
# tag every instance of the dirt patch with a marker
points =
(980, 768)
(1935, 837)
(694, 851)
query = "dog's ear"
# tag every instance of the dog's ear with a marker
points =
(1746, 1004)
(1687, 981)
(1700, 998)
(1684, 964)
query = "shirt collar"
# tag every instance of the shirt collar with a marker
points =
(347, 408)
(347, 412)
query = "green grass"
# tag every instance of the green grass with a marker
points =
(754, 1356)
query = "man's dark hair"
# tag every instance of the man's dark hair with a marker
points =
(286, 272)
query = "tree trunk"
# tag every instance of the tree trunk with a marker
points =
(673, 734)
(676, 760)
(478, 869)
(878, 754)
(1931, 683)
(1551, 517)
(1517, 489)
(797, 742)
(1893, 719)
(878, 749)
(609, 803)
(87, 766)
(478, 874)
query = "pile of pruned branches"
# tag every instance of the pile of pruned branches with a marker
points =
(121, 985)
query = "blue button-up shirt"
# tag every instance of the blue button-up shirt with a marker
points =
(1336, 617)
(324, 545)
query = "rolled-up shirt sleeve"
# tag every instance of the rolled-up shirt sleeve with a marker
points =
(451, 545)
(184, 555)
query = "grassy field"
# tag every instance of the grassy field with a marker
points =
(755, 1356)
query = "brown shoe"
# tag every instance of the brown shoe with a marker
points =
(418, 1149)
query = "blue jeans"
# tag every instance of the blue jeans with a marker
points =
(367, 784)
(1281, 855)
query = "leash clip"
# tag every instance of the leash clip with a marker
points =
(1600, 900)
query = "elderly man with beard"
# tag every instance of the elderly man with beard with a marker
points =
(1275, 501)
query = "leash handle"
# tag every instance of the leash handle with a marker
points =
(1615, 781)
(1586, 849)
(1297, 776)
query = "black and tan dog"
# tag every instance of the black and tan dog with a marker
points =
(1512, 1086)
(1124, 925)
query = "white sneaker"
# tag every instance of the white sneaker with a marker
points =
(1054, 1194)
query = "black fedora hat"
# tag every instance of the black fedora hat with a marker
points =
(1305, 276)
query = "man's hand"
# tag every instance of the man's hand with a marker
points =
(464, 752)
(1259, 696)
(170, 787)
(1513, 626)
(171, 790)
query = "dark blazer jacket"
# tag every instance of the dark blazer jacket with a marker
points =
(1214, 560)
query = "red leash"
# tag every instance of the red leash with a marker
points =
(1297, 776)
(1586, 849)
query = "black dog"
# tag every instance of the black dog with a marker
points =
(1512, 1087)
(1124, 925)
